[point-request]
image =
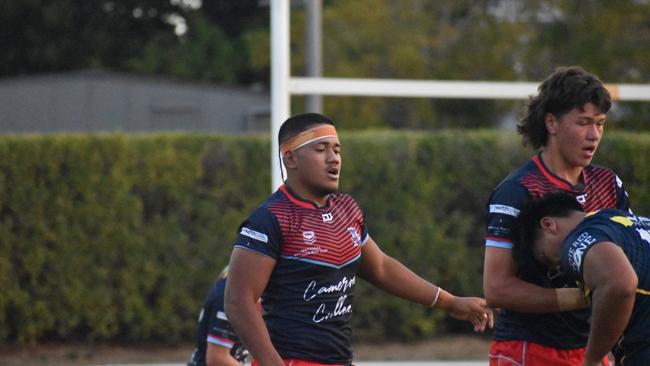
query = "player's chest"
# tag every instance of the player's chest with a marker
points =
(331, 236)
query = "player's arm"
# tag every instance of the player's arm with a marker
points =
(613, 282)
(503, 289)
(216, 355)
(249, 274)
(393, 277)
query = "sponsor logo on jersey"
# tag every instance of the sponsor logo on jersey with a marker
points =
(503, 209)
(577, 249)
(254, 235)
(309, 237)
(356, 238)
(327, 217)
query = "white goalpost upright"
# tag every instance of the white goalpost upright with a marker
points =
(283, 85)
(280, 74)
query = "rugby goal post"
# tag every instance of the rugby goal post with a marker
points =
(283, 85)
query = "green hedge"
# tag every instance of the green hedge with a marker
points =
(118, 238)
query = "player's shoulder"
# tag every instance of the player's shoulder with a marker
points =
(609, 217)
(600, 225)
(277, 199)
(265, 214)
(513, 179)
(595, 169)
(510, 189)
(340, 199)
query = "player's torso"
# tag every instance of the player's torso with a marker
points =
(213, 323)
(308, 300)
(531, 181)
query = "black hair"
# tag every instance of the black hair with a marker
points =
(298, 123)
(565, 89)
(527, 225)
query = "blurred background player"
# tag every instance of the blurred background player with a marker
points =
(608, 252)
(301, 252)
(565, 123)
(216, 343)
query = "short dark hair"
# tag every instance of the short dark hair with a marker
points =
(566, 88)
(298, 123)
(527, 225)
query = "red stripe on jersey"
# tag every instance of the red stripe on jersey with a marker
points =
(295, 200)
(329, 235)
(601, 191)
(537, 186)
(562, 184)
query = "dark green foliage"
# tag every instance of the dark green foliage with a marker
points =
(118, 238)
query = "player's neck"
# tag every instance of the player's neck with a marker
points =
(561, 168)
(303, 193)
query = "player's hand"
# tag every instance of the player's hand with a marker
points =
(473, 310)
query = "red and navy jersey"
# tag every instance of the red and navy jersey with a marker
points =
(307, 303)
(632, 234)
(600, 188)
(214, 327)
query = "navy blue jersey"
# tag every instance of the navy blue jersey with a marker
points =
(307, 304)
(214, 326)
(632, 234)
(599, 188)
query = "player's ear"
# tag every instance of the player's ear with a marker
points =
(551, 123)
(289, 160)
(548, 224)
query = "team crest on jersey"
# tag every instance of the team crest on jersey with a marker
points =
(356, 238)
(582, 198)
(327, 217)
(309, 237)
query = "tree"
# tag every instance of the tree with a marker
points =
(468, 40)
(54, 35)
(173, 38)
(228, 41)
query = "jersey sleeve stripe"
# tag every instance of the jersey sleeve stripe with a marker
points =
(365, 240)
(225, 342)
(243, 246)
(498, 243)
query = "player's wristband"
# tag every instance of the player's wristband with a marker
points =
(570, 299)
(435, 298)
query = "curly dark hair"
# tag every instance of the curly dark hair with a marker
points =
(565, 89)
(527, 225)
